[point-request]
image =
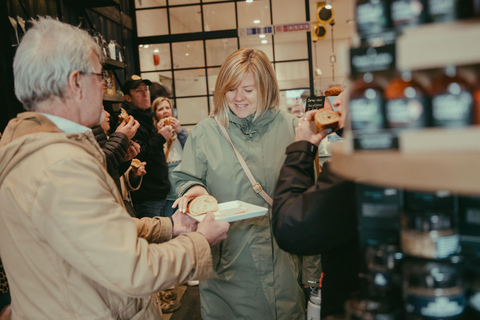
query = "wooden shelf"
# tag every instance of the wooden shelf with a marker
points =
(436, 45)
(94, 3)
(458, 172)
(111, 64)
(113, 98)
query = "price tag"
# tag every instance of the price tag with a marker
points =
(315, 103)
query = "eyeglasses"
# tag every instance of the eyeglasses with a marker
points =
(102, 79)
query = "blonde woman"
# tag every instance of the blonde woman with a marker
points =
(252, 277)
(173, 148)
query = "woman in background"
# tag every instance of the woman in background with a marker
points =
(173, 148)
(252, 277)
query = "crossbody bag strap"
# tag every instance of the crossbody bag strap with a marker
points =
(255, 185)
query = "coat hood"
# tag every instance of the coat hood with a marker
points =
(30, 132)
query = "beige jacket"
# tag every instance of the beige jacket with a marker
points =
(69, 248)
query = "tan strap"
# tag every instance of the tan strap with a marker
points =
(255, 185)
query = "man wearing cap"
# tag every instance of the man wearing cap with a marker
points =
(150, 199)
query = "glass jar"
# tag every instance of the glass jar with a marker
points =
(371, 310)
(433, 289)
(429, 234)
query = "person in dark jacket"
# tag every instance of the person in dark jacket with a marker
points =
(119, 151)
(150, 199)
(318, 217)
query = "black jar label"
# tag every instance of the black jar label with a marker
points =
(434, 307)
(452, 110)
(442, 10)
(407, 13)
(367, 114)
(372, 17)
(406, 113)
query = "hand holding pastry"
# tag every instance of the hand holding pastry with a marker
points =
(304, 132)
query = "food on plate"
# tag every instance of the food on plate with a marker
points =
(202, 204)
(325, 119)
(123, 116)
(333, 91)
(136, 163)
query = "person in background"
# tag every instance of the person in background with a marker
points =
(69, 248)
(252, 277)
(177, 136)
(158, 90)
(311, 218)
(150, 199)
(119, 150)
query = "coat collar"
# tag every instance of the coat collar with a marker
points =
(251, 128)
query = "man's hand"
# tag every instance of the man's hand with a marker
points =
(183, 201)
(183, 223)
(214, 231)
(132, 152)
(303, 130)
(140, 171)
(129, 129)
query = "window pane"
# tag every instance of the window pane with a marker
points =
(154, 57)
(192, 110)
(212, 74)
(251, 11)
(164, 78)
(177, 2)
(256, 43)
(152, 22)
(190, 83)
(185, 19)
(292, 75)
(284, 12)
(291, 46)
(188, 54)
(219, 16)
(219, 49)
(150, 3)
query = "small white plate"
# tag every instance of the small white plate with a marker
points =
(235, 211)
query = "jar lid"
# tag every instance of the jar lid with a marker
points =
(433, 274)
(428, 220)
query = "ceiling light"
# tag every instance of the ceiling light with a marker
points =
(186, 54)
(264, 41)
(156, 50)
(249, 1)
(141, 45)
(262, 36)
(146, 46)
(329, 4)
(256, 21)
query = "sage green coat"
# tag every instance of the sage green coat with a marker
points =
(252, 277)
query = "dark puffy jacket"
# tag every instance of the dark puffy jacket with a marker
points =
(155, 185)
(312, 218)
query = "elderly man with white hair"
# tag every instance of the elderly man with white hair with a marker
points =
(69, 248)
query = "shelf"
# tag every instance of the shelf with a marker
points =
(458, 172)
(113, 98)
(94, 3)
(111, 64)
(436, 45)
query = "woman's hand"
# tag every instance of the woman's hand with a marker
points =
(129, 129)
(132, 151)
(140, 171)
(166, 132)
(175, 124)
(183, 201)
(303, 130)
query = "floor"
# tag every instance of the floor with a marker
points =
(190, 309)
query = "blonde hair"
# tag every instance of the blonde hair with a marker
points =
(157, 102)
(231, 74)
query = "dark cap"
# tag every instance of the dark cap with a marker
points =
(133, 82)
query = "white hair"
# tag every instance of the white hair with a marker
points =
(49, 52)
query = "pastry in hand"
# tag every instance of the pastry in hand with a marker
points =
(123, 116)
(136, 163)
(333, 91)
(326, 119)
(202, 204)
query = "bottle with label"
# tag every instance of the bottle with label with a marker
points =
(367, 105)
(112, 50)
(407, 104)
(372, 16)
(407, 13)
(448, 10)
(314, 305)
(452, 100)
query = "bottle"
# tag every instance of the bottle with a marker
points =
(452, 100)
(407, 104)
(372, 16)
(314, 304)
(407, 13)
(448, 10)
(367, 105)
(112, 50)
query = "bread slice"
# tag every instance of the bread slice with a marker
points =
(123, 116)
(136, 163)
(202, 204)
(325, 119)
(333, 91)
